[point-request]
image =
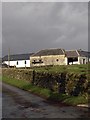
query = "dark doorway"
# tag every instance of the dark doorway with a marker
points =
(83, 61)
(72, 59)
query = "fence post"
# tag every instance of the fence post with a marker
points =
(33, 76)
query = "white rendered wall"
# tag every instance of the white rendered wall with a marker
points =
(21, 63)
(66, 60)
(70, 63)
(80, 60)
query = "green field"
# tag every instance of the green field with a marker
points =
(84, 68)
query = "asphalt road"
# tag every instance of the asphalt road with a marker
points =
(17, 103)
(0, 100)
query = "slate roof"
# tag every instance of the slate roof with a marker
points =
(17, 57)
(84, 53)
(50, 52)
(71, 53)
(76, 53)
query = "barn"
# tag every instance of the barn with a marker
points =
(48, 57)
(77, 57)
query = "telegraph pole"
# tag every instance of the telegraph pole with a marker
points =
(8, 57)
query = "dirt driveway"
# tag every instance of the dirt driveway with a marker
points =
(22, 104)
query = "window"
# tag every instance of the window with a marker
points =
(25, 61)
(40, 61)
(17, 62)
(37, 61)
(57, 60)
(33, 62)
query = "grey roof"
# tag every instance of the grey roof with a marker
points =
(71, 53)
(50, 52)
(84, 53)
(76, 53)
(17, 57)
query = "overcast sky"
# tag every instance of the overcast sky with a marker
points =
(29, 27)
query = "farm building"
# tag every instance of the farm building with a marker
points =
(18, 60)
(59, 57)
(48, 57)
(77, 57)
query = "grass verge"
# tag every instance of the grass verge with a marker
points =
(45, 93)
(83, 68)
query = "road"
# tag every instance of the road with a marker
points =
(18, 103)
(0, 100)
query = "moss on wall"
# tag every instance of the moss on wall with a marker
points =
(66, 83)
(21, 74)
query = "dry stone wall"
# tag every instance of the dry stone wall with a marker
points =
(65, 83)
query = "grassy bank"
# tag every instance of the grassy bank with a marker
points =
(83, 68)
(45, 93)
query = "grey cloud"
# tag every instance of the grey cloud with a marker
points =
(45, 0)
(28, 27)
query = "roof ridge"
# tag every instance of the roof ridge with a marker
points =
(36, 53)
(63, 51)
(51, 48)
(77, 52)
(71, 50)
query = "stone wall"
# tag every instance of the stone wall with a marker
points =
(67, 83)
(21, 74)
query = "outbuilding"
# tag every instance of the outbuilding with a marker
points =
(18, 60)
(77, 57)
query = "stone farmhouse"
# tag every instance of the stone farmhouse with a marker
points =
(59, 57)
(48, 57)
